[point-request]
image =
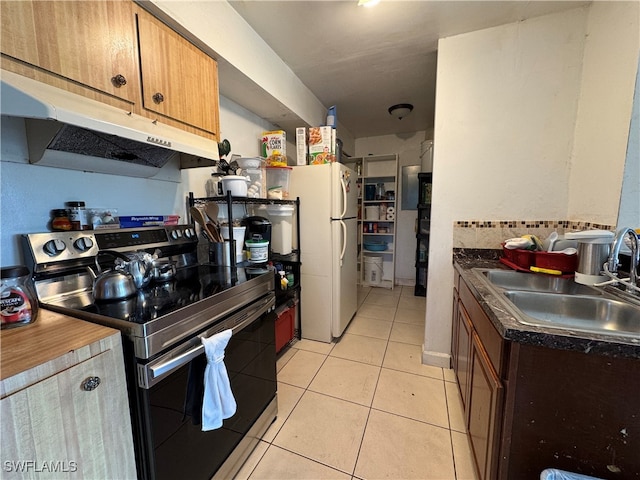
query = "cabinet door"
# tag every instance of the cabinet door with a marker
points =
(91, 43)
(484, 410)
(59, 423)
(455, 326)
(179, 81)
(463, 363)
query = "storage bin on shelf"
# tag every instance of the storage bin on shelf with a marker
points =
(278, 182)
(282, 219)
(285, 326)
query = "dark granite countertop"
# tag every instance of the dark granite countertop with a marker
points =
(466, 260)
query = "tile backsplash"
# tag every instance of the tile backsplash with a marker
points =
(491, 233)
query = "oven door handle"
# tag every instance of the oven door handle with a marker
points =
(151, 373)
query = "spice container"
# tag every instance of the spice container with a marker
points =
(18, 303)
(78, 216)
(60, 220)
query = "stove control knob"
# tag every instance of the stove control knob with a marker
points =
(54, 248)
(83, 244)
(176, 234)
(189, 232)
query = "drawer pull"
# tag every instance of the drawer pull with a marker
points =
(158, 97)
(90, 384)
(119, 81)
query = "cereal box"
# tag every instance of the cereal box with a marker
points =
(301, 146)
(321, 145)
(274, 148)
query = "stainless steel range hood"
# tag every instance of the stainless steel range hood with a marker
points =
(66, 130)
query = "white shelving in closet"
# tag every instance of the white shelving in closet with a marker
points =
(377, 181)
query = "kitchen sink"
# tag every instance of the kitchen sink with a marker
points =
(537, 283)
(577, 312)
(549, 301)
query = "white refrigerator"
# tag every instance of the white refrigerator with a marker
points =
(328, 245)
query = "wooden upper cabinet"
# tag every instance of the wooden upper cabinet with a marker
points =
(179, 81)
(91, 43)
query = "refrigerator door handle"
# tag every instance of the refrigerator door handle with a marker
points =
(343, 185)
(344, 240)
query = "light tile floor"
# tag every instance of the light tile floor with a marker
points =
(365, 407)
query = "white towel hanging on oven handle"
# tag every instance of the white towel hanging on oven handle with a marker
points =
(218, 402)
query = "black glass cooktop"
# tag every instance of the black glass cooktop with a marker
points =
(190, 285)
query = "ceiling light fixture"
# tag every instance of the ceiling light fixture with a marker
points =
(400, 110)
(367, 3)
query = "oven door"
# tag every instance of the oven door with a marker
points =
(169, 397)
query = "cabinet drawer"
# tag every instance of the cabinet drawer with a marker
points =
(83, 426)
(491, 340)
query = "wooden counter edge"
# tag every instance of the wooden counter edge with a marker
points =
(53, 343)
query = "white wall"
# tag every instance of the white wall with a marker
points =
(606, 98)
(629, 215)
(30, 192)
(408, 149)
(506, 105)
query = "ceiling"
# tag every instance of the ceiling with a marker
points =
(365, 59)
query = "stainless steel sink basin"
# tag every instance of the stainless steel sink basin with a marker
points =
(549, 301)
(577, 312)
(537, 283)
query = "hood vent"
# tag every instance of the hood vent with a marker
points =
(66, 130)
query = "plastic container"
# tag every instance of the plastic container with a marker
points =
(282, 233)
(555, 474)
(236, 184)
(18, 301)
(256, 187)
(519, 257)
(285, 327)
(372, 212)
(369, 192)
(278, 182)
(258, 251)
(249, 162)
(373, 270)
(238, 236)
(556, 261)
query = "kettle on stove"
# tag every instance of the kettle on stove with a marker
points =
(113, 284)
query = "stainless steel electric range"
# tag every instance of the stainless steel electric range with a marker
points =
(161, 324)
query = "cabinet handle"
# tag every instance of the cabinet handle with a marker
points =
(119, 81)
(158, 97)
(90, 383)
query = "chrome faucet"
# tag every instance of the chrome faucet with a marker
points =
(613, 261)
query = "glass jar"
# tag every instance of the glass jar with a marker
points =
(60, 220)
(78, 216)
(18, 302)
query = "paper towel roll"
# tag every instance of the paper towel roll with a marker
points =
(391, 210)
(391, 216)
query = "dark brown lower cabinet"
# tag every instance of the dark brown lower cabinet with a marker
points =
(484, 409)
(464, 356)
(528, 408)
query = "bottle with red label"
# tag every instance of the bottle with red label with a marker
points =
(18, 302)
